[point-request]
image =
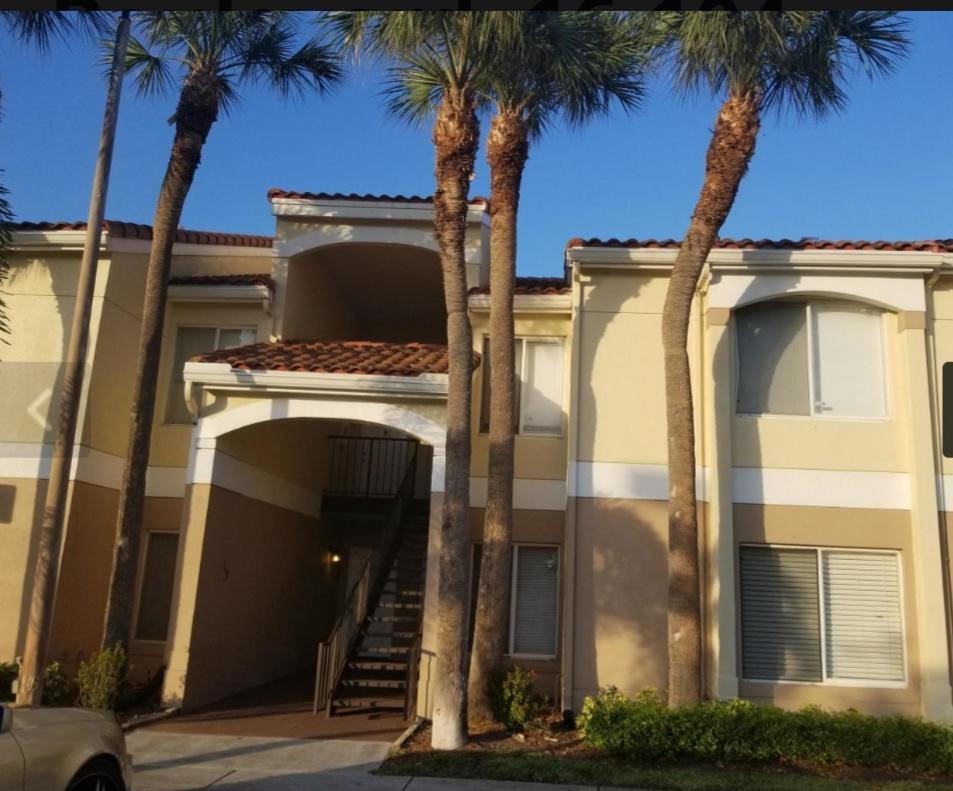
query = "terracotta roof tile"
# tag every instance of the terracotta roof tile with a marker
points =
(275, 192)
(131, 230)
(336, 357)
(224, 280)
(927, 245)
(535, 286)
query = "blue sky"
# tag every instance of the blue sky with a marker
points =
(881, 169)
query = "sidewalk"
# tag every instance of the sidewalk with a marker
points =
(188, 762)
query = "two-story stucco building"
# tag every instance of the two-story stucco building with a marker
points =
(301, 374)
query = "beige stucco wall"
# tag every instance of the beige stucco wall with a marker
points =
(620, 405)
(266, 595)
(621, 596)
(20, 502)
(846, 528)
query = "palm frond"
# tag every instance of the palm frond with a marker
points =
(152, 73)
(796, 60)
(6, 243)
(42, 28)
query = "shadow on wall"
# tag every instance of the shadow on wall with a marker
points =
(621, 586)
(39, 391)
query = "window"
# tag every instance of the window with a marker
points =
(190, 341)
(821, 615)
(814, 358)
(534, 600)
(158, 578)
(538, 390)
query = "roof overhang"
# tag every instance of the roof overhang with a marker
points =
(225, 293)
(75, 241)
(779, 261)
(222, 377)
(395, 211)
(527, 303)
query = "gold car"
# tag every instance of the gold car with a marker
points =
(62, 749)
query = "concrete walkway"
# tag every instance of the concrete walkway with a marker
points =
(188, 762)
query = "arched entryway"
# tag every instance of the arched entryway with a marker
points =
(287, 500)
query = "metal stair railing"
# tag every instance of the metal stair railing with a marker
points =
(333, 652)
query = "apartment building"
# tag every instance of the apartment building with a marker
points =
(303, 395)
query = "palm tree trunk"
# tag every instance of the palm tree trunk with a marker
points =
(194, 116)
(36, 648)
(455, 140)
(507, 150)
(729, 152)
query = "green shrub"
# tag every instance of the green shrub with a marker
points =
(58, 688)
(101, 678)
(9, 671)
(514, 699)
(646, 731)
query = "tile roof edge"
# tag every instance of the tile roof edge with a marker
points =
(130, 230)
(276, 193)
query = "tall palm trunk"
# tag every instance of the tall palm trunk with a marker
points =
(196, 112)
(731, 148)
(506, 152)
(455, 134)
(30, 689)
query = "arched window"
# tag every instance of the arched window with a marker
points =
(810, 357)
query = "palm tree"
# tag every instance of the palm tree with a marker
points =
(442, 61)
(214, 52)
(565, 64)
(756, 61)
(30, 689)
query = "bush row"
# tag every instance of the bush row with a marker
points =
(646, 731)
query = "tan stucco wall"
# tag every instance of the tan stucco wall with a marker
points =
(621, 400)
(266, 595)
(838, 527)
(19, 499)
(621, 596)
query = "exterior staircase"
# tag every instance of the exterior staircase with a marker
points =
(380, 672)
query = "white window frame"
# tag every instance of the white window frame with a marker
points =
(140, 580)
(822, 622)
(521, 376)
(815, 414)
(219, 328)
(513, 600)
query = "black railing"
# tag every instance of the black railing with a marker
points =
(335, 650)
(368, 466)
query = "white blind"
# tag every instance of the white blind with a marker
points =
(863, 630)
(543, 390)
(536, 605)
(848, 361)
(780, 614)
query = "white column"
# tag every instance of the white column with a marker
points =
(722, 626)
(914, 406)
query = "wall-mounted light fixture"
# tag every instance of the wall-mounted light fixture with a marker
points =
(334, 555)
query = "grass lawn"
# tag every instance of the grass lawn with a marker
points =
(556, 757)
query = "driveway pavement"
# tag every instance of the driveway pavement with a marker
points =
(188, 762)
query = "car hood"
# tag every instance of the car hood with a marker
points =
(43, 716)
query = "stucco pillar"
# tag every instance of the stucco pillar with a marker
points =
(914, 408)
(722, 626)
(188, 566)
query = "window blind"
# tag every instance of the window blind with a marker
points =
(535, 603)
(863, 626)
(780, 613)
